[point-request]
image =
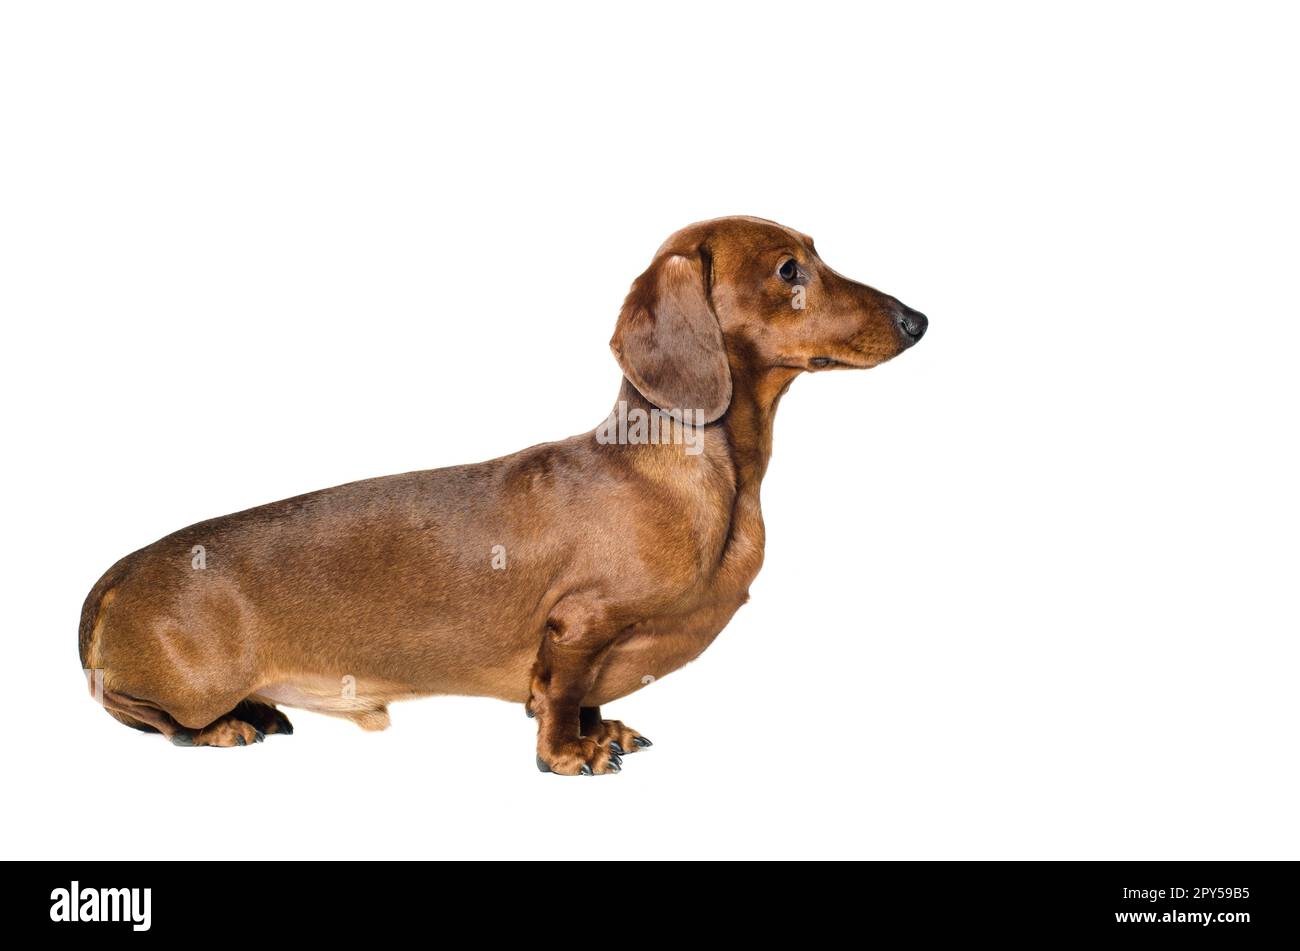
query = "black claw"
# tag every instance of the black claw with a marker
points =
(616, 759)
(260, 736)
(529, 710)
(613, 745)
(239, 741)
(182, 739)
(286, 728)
(613, 767)
(543, 765)
(585, 769)
(642, 742)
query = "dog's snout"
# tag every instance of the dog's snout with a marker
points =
(911, 324)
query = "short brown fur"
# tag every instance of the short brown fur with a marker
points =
(622, 562)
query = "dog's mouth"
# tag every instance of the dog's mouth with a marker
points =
(820, 362)
(834, 363)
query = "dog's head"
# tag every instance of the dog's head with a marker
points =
(744, 294)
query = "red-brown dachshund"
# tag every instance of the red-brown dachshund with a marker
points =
(562, 577)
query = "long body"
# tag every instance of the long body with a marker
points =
(447, 555)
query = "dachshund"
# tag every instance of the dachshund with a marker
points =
(562, 577)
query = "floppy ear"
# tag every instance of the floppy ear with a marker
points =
(668, 342)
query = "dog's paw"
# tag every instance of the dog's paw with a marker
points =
(264, 717)
(584, 757)
(618, 737)
(227, 731)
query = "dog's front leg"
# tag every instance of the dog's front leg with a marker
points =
(576, 641)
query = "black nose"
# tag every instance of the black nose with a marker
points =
(911, 324)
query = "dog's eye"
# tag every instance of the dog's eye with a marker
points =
(788, 270)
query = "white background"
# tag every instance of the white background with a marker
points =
(1029, 590)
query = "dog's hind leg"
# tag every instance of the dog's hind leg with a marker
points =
(248, 723)
(140, 714)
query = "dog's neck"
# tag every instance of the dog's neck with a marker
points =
(748, 421)
(745, 429)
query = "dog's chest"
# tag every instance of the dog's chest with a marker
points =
(663, 643)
